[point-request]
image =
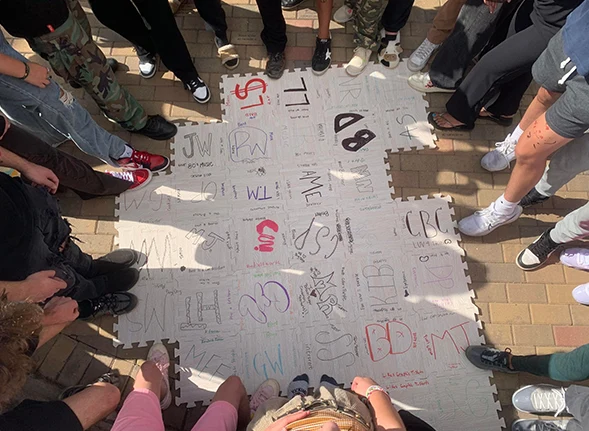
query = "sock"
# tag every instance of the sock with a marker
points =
(327, 381)
(504, 207)
(298, 386)
(517, 133)
(552, 238)
(127, 153)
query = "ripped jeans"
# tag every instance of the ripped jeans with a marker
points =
(54, 115)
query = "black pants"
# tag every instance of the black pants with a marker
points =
(47, 250)
(503, 74)
(126, 17)
(274, 33)
(73, 173)
(396, 14)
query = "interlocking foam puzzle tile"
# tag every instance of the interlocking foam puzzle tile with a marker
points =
(274, 248)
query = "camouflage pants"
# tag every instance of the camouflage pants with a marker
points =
(75, 57)
(367, 22)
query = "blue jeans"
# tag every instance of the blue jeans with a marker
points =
(54, 115)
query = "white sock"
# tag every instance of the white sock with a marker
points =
(127, 153)
(517, 133)
(504, 207)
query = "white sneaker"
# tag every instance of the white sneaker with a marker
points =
(343, 15)
(389, 54)
(359, 61)
(158, 354)
(421, 55)
(422, 82)
(540, 399)
(486, 221)
(581, 294)
(501, 157)
(147, 69)
(576, 258)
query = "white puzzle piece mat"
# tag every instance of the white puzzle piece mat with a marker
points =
(274, 248)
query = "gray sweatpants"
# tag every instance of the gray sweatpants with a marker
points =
(566, 164)
(577, 402)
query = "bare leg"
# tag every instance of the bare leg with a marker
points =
(94, 403)
(233, 392)
(533, 148)
(324, 8)
(543, 100)
(149, 377)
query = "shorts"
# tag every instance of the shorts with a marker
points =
(569, 116)
(40, 416)
(141, 412)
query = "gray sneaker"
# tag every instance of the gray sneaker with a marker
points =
(487, 358)
(540, 399)
(539, 425)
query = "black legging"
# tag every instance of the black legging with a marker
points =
(164, 37)
(396, 14)
(504, 73)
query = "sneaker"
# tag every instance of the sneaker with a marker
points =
(147, 63)
(486, 221)
(500, 157)
(359, 61)
(111, 304)
(115, 260)
(389, 54)
(143, 159)
(322, 56)
(539, 425)
(533, 197)
(537, 253)
(138, 177)
(268, 389)
(120, 280)
(540, 399)
(581, 294)
(576, 258)
(422, 83)
(198, 88)
(275, 65)
(290, 4)
(343, 15)
(158, 128)
(421, 55)
(158, 354)
(113, 64)
(112, 377)
(487, 358)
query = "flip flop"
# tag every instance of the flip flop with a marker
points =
(228, 53)
(502, 121)
(431, 116)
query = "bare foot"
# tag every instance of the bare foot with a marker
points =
(446, 121)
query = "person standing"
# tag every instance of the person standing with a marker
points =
(63, 38)
(163, 37)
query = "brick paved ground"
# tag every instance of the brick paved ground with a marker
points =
(531, 312)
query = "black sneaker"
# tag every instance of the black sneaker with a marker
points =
(120, 280)
(275, 65)
(532, 198)
(487, 358)
(537, 253)
(111, 304)
(158, 128)
(113, 64)
(116, 260)
(220, 44)
(322, 56)
(290, 4)
(147, 63)
(200, 91)
(112, 377)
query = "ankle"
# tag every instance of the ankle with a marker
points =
(504, 206)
